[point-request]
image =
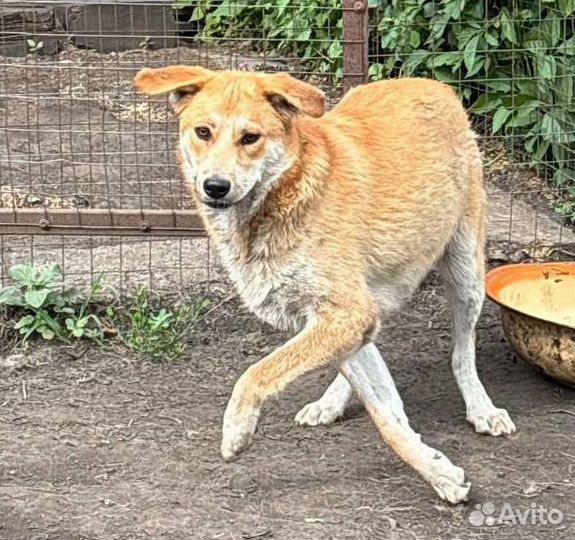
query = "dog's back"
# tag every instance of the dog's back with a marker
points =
(405, 175)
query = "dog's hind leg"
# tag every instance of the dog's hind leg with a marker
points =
(329, 407)
(368, 375)
(332, 404)
(462, 269)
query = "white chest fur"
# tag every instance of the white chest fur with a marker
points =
(278, 293)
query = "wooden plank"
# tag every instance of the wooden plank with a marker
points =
(355, 42)
(99, 222)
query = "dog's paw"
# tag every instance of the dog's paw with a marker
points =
(448, 480)
(494, 422)
(237, 433)
(319, 413)
(452, 491)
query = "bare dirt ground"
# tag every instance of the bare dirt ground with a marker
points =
(110, 446)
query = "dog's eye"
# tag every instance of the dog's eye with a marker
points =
(250, 138)
(203, 133)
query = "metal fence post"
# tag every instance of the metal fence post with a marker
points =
(355, 42)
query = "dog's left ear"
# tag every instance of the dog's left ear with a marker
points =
(290, 96)
(179, 81)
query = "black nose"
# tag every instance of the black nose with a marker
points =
(217, 187)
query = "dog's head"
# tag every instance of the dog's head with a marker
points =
(236, 128)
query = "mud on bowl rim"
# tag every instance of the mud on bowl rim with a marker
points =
(498, 278)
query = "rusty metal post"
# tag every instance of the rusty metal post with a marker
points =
(355, 42)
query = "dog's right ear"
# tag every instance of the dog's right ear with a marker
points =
(181, 82)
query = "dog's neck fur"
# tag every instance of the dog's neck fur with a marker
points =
(269, 228)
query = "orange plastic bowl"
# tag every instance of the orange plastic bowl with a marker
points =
(538, 314)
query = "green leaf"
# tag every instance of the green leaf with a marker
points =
(225, 9)
(485, 103)
(545, 66)
(375, 71)
(36, 297)
(564, 89)
(48, 275)
(24, 322)
(491, 39)
(445, 59)
(534, 44)
(539, 150)
(49, 321)
(198, 14)
(304, 35)
(414, 39)
(46, 332)
(564, 177)
(445, 75)
(452, 8)
(465, 34)
(78, 332)
(499, 85)
(568, 47)
(390, 39)
(469, 53)
(530, 144)
(567, 7)
(553, 131)
(335, 49)
(528, 87)
(508, 27)
(81, 323)
(414, 60)
(526, 115)
(550, 29)
(23, 274)
(499, 119)
(11, 296)
(477, 65)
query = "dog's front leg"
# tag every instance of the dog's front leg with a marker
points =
(333, 335)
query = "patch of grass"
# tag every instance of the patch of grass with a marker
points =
(159, 332)
(47, 309)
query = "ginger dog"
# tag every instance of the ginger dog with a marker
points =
(327, 223)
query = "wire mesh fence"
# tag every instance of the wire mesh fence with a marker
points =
(88, 175)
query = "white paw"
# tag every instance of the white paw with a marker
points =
(448, 480)
(492, 422)
(452, 491)
(319, 413)
(237, 433)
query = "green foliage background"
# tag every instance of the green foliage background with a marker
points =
(513, 61)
